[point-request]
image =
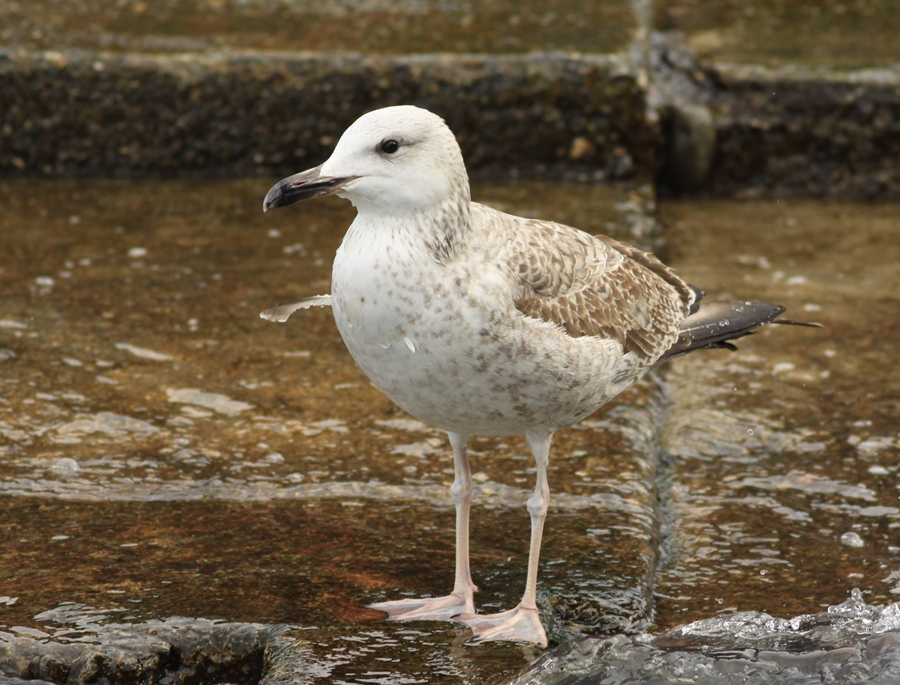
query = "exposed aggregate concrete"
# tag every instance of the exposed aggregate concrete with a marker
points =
(102, 114)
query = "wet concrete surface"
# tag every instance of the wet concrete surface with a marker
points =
(408, 26)
(778, 481)
(167, 453)
(805, 132)
(851, 642)
(737, 99)
(747, 130)
(831, 33)
(780, 484)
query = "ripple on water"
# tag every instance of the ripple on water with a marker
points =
(107, 423)
(850, 642)
(211, 400)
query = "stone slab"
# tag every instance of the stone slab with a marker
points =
(107, 114)
(750, 131)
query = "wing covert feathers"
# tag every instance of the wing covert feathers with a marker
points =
(596, 286)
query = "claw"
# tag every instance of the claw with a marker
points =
(517, 625)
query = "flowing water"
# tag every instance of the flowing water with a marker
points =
(173, 466)
(168, 453)
(781, 553)
(365, 26)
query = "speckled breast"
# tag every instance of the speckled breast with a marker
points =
(446, 344)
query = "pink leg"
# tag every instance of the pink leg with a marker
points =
(460, 600)
(522, 624)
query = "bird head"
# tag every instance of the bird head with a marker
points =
(393, 161)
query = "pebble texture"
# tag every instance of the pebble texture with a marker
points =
(102, 114)
(805, 132)
(750, 131)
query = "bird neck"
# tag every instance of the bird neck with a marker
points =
(448, 227)
(440, 229)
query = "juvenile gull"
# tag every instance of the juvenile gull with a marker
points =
(479, 322)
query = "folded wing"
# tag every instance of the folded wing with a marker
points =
(596, 286)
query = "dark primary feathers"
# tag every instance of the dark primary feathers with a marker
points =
(715, 323)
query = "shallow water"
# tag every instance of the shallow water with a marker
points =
(396, 27)
(778, 480)
(137, 368)
(167, 453)
(814, 33)
(781, 484)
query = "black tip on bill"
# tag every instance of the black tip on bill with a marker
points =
(275, 197)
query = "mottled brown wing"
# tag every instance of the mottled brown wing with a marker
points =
(597, 286)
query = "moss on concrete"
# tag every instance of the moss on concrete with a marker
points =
(80, 113)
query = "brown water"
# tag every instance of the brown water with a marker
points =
(166, 453)
(781, 483)
(814, 33)
(395, 27)
(135, 348)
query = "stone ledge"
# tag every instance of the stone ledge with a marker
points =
(82, 113)
(807, 132)
(177, 650)
(550, 115)
(748, 131)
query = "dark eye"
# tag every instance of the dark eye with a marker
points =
(390, 146)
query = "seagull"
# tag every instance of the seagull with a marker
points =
(478, 322)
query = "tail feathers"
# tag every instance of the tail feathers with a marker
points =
(789, 322)
(714, 324)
